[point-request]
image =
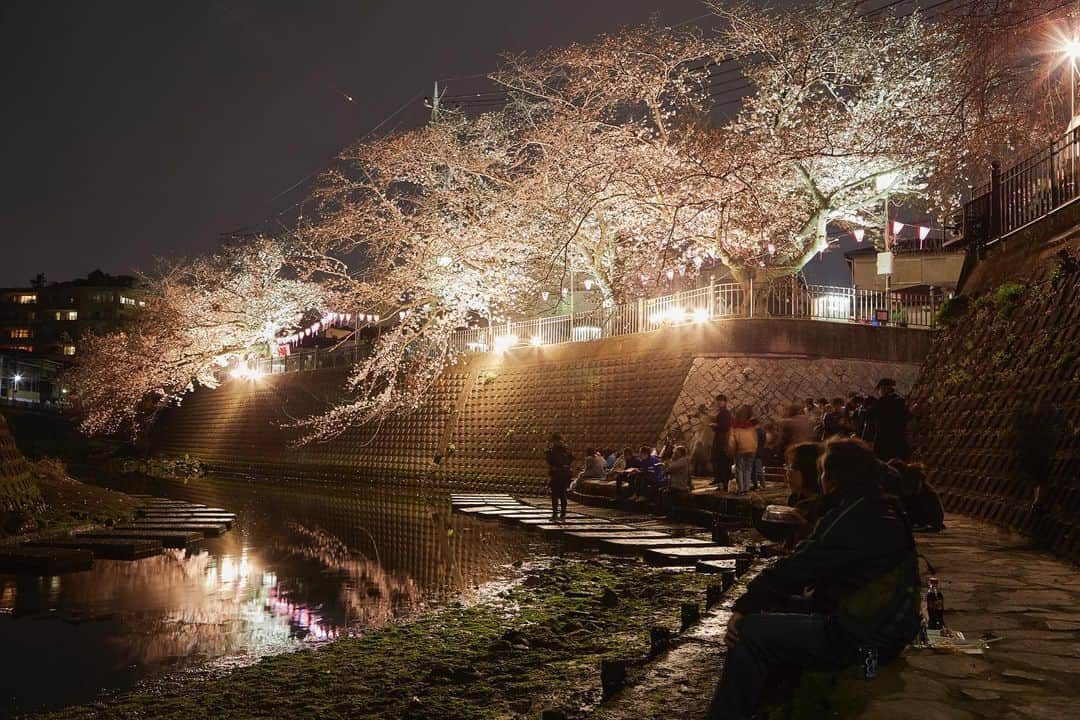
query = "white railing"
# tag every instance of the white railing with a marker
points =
(699, 305)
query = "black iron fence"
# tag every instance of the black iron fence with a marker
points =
(1025, 192)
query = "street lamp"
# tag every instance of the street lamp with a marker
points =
(1071, 48)
(17, 377)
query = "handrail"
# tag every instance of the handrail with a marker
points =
(1025, 192)
(715, 301)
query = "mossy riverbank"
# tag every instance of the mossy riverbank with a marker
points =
(535, 646)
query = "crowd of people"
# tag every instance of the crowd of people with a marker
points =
(846, 589)
(735, 447)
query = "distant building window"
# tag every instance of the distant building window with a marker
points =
(31, 316)
(69, 349)
(21, 333)
(27, 348)
(67, 315)
(26, 299)
(102, 297)
(127, 301)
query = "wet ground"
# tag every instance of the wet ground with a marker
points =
(303, 565)
(994, 584)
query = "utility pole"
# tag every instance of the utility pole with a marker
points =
(436, 103)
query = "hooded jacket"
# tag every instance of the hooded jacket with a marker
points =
(860, 561)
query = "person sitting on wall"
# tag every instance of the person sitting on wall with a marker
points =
(594, 466)
(801, 473)
(620, 472)
(678, 473)
(860, 561)
(919, 498)
(646, 472)
(610, 457)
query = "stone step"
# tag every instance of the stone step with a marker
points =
(226, 520)
(546, 520)
(171, 504)
(557, 528)
(206, 529)
(635, 546)
(27, 560)
(168, 538)
(598, 537)
(688, 556)
(102, 548)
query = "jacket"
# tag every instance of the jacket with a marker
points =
(559, 459)
(890, 423)
(861, 562)
(744, 439)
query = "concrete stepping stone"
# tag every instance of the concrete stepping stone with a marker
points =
(206, 529)
(632, 545)
(688, 556)
(600, 536)
(603, 527)
(168, 538)
(477, 508)
(29, 560)
(546, 520)
(102, 548)
(712, 567)
(213, 519)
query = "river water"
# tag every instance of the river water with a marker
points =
(304, 564)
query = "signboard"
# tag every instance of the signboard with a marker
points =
(884, 263)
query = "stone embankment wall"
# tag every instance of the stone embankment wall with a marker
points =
(997, 405)
(16, 487)
(490, 417)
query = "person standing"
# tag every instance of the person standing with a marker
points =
(744, 447)
(721, 439)
(890, 422)
(559, 460)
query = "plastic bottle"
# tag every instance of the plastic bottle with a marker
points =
(935, 606)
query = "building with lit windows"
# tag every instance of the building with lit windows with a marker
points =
(48, 320)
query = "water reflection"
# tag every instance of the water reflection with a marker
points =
(303, 565)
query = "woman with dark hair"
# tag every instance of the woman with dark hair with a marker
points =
(559, 460)
(801, 473)
(860, 562)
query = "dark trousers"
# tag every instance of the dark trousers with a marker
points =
(721, 468)
(558, 495)
(768, 643)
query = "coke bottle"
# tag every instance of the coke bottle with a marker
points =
(935, 606)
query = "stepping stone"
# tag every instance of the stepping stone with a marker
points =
(168, 538)
(546, 520)
(600, 536)
(713, 567)
(213, 519)
(688, 556)
(477, 509)
(102, 548)
(624, 544)
(602, 527)
(206, 529)
(44, 560)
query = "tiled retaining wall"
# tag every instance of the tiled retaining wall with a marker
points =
(1002, 387)
(16, 489)
(490, 417)
(770, 384)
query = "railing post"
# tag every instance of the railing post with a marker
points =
(711, 304)
(639, 321)
(996, 200)
(751, 296)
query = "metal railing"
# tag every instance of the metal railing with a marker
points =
(782, 299)
(1025, 192)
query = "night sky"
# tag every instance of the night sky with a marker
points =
(132, 130)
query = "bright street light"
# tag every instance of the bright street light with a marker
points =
(1071, 48)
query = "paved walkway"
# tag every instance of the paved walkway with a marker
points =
(993, 582)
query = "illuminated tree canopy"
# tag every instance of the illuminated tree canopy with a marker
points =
(613, 158)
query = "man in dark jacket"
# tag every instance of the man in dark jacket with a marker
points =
(861, 563)
(721, 438)
(559, 460)
(890, 422)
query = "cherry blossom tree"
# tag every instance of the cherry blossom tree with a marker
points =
(200, 318)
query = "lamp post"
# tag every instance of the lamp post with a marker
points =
(884, 182)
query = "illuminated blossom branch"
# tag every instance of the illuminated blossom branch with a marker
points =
(200, 317)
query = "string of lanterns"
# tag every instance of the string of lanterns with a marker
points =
(897, 227)
(332, 319)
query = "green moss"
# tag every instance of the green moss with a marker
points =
(537, 645)
(1006, 298)
(953, 311)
